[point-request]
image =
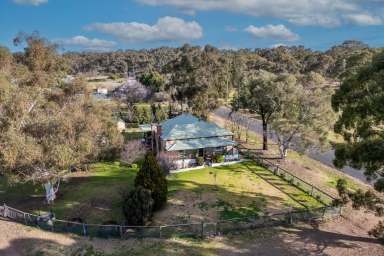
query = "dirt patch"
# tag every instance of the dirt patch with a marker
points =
(187, 207)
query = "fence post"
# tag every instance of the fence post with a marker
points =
(311, 190)
(324, 209)
(84, 229)
(5, 211)
(121, 231)
(25, 219)
(290, 219)
(202, 229)
(160, 232)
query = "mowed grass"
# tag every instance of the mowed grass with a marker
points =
(232, 191)
(93, 196)
(306, 168)
(226, 192)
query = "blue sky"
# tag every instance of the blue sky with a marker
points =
(135, 24)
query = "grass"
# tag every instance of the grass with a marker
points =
(306, 168)
(94, 196)
(226, 192)
(239, 190)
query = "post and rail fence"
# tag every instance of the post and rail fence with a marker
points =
(320, 195)
(197, 229)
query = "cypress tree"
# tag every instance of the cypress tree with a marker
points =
(151, 177)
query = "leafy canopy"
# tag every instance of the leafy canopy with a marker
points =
(360, 102)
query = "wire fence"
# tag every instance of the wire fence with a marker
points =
(201, 229)
(292, 179)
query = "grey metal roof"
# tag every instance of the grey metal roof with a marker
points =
(187, 126)
(190, 144)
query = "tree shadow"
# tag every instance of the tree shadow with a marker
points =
(291, 191)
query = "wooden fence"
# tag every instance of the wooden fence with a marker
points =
(320, 195)
(201, 229)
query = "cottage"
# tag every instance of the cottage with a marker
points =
(192, 138)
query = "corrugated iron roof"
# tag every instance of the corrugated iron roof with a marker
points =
(187, 126)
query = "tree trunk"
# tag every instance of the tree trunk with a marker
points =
(283, 151)
(265, 135)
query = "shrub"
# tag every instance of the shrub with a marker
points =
(151, 177)
(167, 160)
(379, 185)
(133, 151)
(218, 158)
(138, 206)
(200, 160)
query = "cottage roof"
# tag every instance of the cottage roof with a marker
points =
(187, 126)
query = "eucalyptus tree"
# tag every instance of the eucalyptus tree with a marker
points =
(47, 126)
(360, 103)
(303, 118)
(260, 96)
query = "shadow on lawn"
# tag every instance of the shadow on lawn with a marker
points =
(291, 191)
(227, 203)
(91, 198)
(267, 242)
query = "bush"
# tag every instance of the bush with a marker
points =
(379, 185)
(133, 151)
(218, 159)
(151, 177)
(138, 206)
(167, 160)
(200, 160)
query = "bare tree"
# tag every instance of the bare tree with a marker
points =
(133, 151)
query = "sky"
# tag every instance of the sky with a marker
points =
(107, 25)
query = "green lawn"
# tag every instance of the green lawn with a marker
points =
(94, 196)
(225, 192)
(306, 168)
(238, 190)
